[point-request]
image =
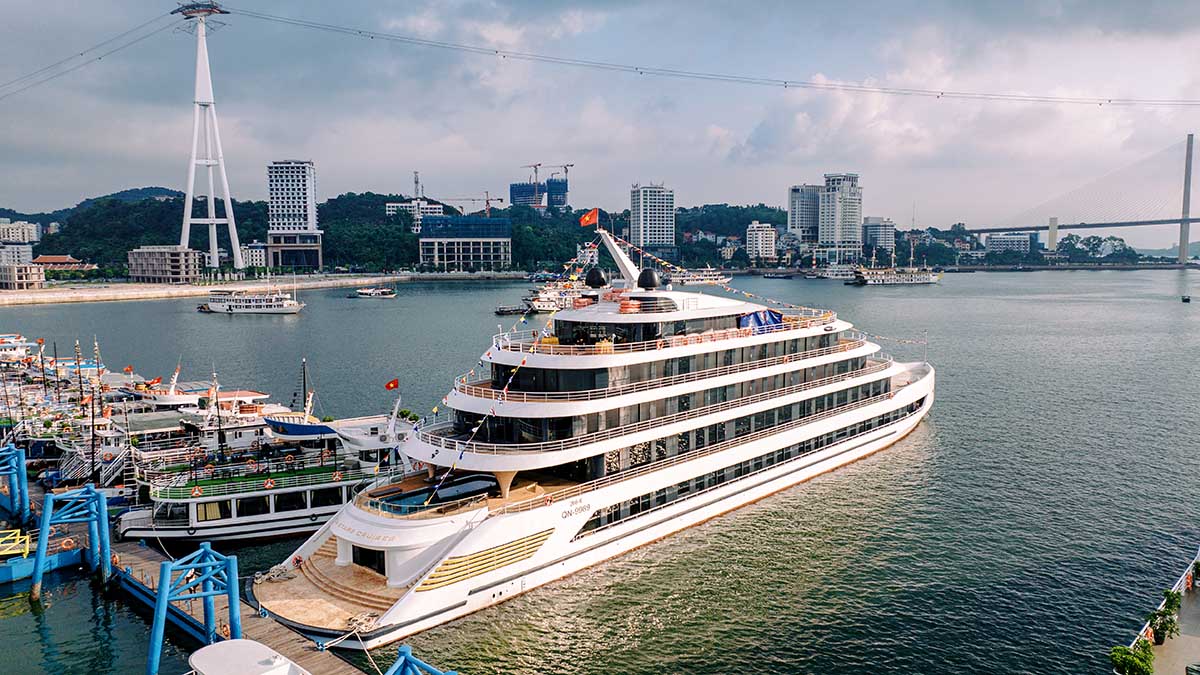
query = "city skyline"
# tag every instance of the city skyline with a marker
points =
(385, 110)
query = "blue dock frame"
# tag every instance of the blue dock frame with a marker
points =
(85, 505)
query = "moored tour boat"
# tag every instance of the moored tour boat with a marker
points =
(256, 301)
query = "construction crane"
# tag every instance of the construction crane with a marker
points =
(487, 200)
(535, 168)
(566, 169)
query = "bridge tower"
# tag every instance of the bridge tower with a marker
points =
(206, 143)
(1184, 223)
(1052, 236)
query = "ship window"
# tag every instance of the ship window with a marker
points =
(253, 506)
(327, 497)
(206, 511)
(290, 501)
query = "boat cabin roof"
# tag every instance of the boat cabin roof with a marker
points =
(658, 306)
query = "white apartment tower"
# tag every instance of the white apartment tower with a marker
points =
(879, 233)
(293, 239)
(760, 241)
(651, 215)
(804, 212)
(840, 226)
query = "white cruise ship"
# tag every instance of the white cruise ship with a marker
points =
(640, 413)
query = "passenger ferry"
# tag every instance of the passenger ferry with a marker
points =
(701, 277)
(638, 414)
(893, 276)
(837, 271)
(257, 301)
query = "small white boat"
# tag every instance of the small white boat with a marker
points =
(264, 301)
(375, 292)
(242, 657)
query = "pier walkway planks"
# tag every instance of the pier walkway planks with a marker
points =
(143, 563)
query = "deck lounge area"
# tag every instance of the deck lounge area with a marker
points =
(1176, 654)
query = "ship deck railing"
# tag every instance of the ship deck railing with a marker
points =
(183, 486)
(237, 462)
(532, 341)
(439, 434)
(653, 467)
(482, 388)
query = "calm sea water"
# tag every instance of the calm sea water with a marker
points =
(1024, 528)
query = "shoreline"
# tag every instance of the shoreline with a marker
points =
(70, 293)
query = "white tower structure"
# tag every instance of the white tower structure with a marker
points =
(206, 144)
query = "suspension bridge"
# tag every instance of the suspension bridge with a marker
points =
(1105, 202)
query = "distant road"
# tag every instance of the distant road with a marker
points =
(69, 292)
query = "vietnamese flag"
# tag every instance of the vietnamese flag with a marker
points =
(590, 218)
(394, 384)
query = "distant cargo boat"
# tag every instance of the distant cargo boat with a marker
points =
(777, 275)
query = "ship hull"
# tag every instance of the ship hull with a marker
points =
(566, 549)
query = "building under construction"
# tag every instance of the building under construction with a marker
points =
(551, 192)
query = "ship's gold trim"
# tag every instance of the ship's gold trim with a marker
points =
(459, 568)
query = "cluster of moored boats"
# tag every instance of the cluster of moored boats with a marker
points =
(162, 451)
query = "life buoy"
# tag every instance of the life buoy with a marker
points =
(197, 491)
(108, 457)
(289, 459)
(191, 531)
(325, 454)
(115, 560)
(1189, 581)
(251, 464)
(53, 530)
(297, 560)
(313, 517)
(269, 484)
(548, 500)
(337, 475)
(67, 544)
(224, 631)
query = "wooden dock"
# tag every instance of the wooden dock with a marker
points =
(143, 564)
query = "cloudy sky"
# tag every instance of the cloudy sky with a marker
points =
(369, 112)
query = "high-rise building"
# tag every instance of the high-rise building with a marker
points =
(760, 241)
(18, 231)
(651, 215)
(293, 239)
(16, 254)
(879, 233)
(804, 213)
(840, 226)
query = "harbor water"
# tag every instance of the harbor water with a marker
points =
(1026, 527)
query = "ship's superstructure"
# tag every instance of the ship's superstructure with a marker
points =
(636, 413)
